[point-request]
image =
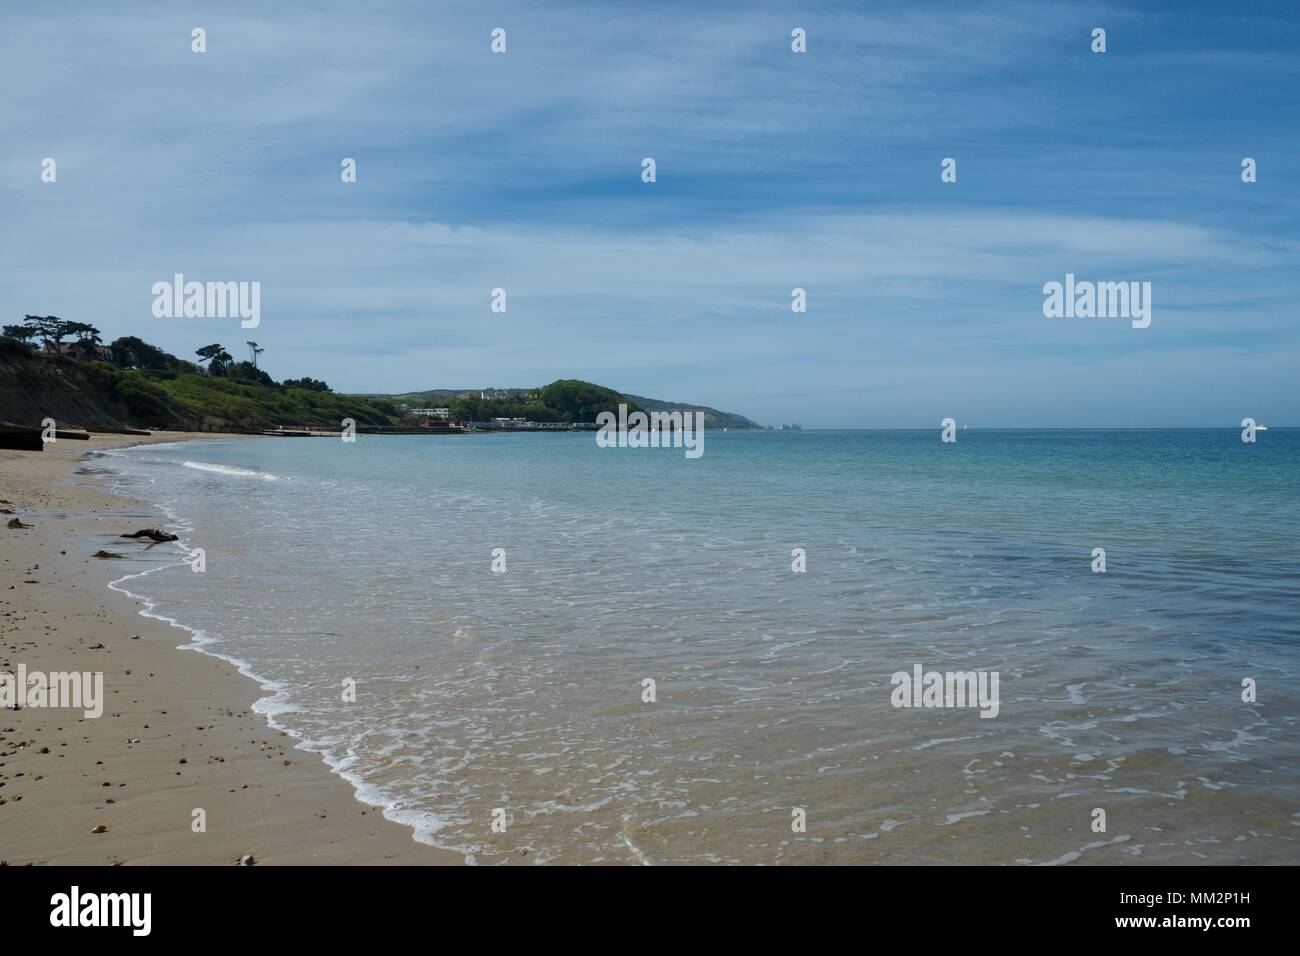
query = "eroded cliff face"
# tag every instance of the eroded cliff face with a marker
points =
(78, 393)
(96, 396)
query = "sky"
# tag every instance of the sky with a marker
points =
(775, 170)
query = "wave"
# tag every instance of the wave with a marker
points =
(230, 470)
(423, 824)
(277, 702)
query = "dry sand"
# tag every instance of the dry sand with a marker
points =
(177, 732)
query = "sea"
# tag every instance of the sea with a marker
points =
(527, 648)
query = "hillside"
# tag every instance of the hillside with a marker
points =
(512, 402)
(145, 387)
(712, 417)
(94, 395)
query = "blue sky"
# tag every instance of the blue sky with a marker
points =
(775, 170)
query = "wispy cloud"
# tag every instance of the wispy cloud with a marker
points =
(775, 171)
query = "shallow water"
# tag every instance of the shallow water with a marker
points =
(522, 690)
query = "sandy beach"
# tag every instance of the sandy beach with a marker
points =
(177, 731)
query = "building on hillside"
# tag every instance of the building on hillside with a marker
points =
(77, 350)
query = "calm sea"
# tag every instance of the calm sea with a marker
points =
(521, 690)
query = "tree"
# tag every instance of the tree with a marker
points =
(87, 337)
(208, 352)
(578, 401)
(23, 333)
(248, 372)
(54, 329)
(84, 332)
(254, 350)
(218, 358)
(132, 352)
(310, 383)
(51, 329)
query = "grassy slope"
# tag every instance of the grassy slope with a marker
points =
(223, 403)
(95, 395)
(713, 418)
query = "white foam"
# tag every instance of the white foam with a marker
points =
(423, 824)
(958, 817)
(636, 851)
(230, 470)
(1073, 855)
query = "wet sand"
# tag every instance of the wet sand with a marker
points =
(177, 732)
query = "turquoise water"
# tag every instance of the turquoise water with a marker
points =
(522, 690)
